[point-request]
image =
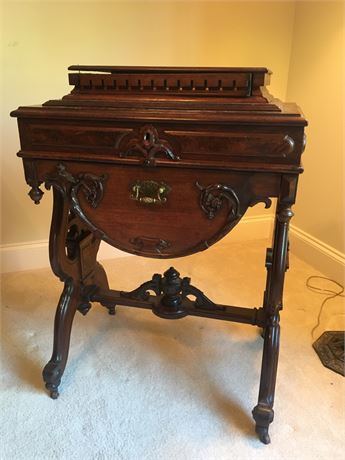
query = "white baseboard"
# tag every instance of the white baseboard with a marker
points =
(24, 256)
(251, 228)
(34, 254)
(320, 255)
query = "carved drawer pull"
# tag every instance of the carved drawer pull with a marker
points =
(150, 192)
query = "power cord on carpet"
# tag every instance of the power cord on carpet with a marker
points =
(319, 290)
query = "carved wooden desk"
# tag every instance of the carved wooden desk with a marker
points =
(162, 162)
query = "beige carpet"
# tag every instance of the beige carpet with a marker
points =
(138, 387)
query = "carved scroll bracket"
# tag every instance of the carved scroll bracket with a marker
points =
(215, 197)
(91, 185)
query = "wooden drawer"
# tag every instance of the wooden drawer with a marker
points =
(158, 212)
(162, 144)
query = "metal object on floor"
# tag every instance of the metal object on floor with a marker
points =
(330, 349)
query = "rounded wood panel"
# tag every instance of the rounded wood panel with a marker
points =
(162, 212)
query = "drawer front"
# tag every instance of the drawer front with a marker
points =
(156, 144)
(158, 212)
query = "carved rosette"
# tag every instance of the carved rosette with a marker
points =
(146, 142)
(286, 147)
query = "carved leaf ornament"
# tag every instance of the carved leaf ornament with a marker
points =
(91, 185)
(212, 199)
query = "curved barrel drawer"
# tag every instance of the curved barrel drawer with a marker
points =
(158, 212)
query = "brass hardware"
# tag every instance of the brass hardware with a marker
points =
(150, 192)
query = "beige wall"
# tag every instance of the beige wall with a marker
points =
(301, 42)
(317, 81)
(42, 39)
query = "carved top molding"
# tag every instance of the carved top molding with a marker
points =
(227, 81)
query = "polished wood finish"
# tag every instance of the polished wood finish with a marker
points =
(162, 162)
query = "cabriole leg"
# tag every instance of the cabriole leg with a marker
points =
(73, 251)
(65, 312)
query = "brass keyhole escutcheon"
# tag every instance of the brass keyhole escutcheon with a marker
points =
(150, 192)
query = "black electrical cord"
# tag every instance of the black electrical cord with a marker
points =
(318, 290)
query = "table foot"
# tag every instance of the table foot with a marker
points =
(110, 306)
(111, 310)
(52, 373)
(53, 392)
(263, 416)
(263, 435)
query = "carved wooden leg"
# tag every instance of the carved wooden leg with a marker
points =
(263, 413)
(73, 258)
(65, 312)
(73, 252)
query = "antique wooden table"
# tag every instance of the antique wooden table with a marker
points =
(162, 162)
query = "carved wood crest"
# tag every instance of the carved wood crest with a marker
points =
(147, 143)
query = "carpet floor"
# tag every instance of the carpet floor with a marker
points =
(137, 387)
